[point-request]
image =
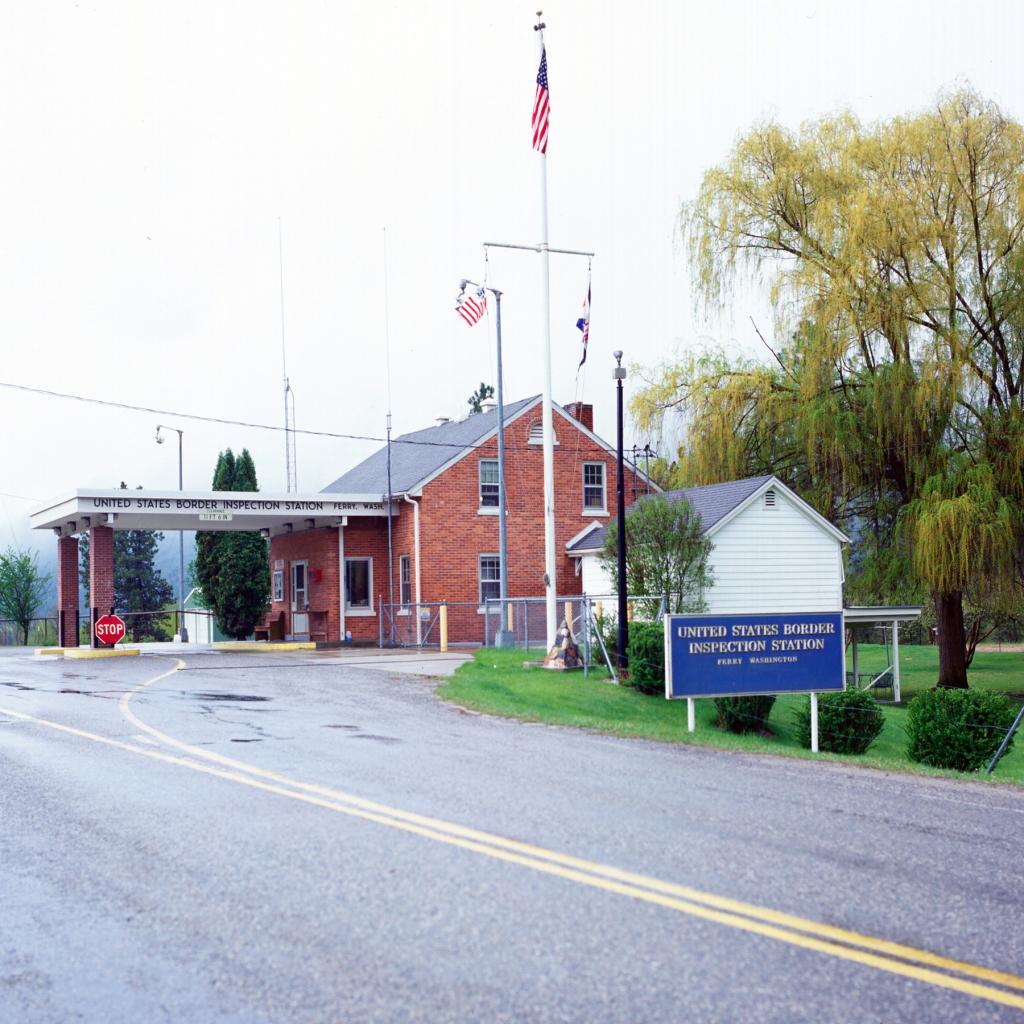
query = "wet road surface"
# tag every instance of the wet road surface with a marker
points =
(305, 839)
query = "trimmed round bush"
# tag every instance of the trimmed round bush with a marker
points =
(646, 653)
(744, 714)
(958, 729)
(848, 722)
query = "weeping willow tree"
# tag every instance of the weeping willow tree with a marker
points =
(895, 261)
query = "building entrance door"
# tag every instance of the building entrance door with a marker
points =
(300, 605)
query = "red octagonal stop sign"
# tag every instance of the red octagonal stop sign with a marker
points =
(110, 629)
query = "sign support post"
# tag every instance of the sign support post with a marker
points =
(814, 723)
(691, 714)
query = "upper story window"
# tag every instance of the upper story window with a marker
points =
(489, 483)
(593, 487)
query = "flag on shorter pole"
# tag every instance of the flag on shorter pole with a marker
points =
(471, 307)
(583, 324)
(540, 105)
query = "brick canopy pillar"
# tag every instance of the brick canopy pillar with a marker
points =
(101, 577)
(67, 592)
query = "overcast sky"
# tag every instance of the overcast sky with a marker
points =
(149, 150)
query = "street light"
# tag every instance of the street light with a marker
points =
(503, 637)
(182, 628)
(619, 375)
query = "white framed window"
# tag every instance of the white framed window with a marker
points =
(594, 487)
(404, 581)
(488, 483)
(359, 586)
(490, 577)
(279, 584)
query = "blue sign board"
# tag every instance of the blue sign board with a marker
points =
(740, 655)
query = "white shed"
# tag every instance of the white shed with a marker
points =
(771, 551)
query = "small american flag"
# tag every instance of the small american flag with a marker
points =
(583, 324)
(540, 105)
(472, 307)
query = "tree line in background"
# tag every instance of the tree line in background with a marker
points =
(895, 253)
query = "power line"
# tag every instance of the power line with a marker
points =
(455, 446)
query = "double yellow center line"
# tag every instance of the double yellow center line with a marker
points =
(891, 957)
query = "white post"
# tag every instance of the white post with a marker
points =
(341, 582)
(896, 661)
(550, 584)
(691, 714)
(814, 722)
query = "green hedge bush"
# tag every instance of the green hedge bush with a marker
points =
(744, 714)
(958, 729)
(848, 721)
(646, 653)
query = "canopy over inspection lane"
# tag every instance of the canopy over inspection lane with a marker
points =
(273, 514)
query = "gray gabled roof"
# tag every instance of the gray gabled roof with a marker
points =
(419, 455)
(712, 503)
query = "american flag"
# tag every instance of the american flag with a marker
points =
(540, 105)
(471, 307)
(584, 325)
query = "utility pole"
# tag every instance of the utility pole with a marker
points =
(619, 375)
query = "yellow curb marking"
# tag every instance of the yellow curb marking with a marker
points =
(75, 653)
(258, 646)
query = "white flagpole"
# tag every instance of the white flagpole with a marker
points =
(550, 576)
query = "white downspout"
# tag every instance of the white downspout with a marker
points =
(341, 578)
(416, 556)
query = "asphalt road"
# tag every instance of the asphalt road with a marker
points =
(288, 838)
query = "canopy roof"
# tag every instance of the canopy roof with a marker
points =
(203, 510)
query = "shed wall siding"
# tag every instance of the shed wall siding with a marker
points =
(596, 581)
(774, 560)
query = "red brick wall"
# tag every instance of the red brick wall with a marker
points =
(453, 534)
(101, 569)
(363, 538)
(67, 591)
(319, 548)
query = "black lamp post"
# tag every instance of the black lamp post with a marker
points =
(619, 375)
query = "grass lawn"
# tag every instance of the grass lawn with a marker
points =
(495, 682)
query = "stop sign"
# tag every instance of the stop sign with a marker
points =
(110, 629)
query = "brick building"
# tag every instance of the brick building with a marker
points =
(444, 481)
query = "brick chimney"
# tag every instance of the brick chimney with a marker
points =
(582, 412)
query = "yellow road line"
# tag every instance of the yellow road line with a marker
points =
(747, 917)
(791, 921)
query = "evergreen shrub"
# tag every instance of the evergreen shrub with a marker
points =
(744, 714)
(646, 653)
(958, 729)
(849, 721)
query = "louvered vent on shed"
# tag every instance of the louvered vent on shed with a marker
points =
(769, 498)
